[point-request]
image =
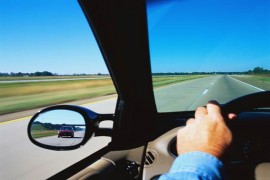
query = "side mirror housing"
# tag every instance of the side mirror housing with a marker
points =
(64, 127)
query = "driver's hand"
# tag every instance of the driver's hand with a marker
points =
(208, 132)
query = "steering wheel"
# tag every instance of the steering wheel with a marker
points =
(247, 103)
(250, 150)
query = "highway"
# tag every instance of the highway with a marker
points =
(63, 141)
(20, 159)
(188, 95)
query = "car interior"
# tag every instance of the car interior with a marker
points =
(143, 144)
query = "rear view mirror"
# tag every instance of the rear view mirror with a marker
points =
(63, 127)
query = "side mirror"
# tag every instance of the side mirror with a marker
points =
(65, 127)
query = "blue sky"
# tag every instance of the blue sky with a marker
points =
(61, 117)
(185, 35)
(209, 35)
(47, 35)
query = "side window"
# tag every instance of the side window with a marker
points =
(48, 56)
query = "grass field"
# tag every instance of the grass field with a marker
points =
(260, 81)
(38, 131)
(15, 97)
(38, 127)
(166, 80)
(47, 77)
(42, 133)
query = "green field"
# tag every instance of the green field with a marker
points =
(38, 131)
(9, 78)
(38, 127)
(39, 134)
(260, 81)
(18, 96)
(166, 80)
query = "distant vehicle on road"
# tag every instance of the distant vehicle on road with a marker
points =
(66, 131)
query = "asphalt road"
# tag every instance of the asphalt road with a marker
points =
(20, 159)
(188, 95)
(62, 141)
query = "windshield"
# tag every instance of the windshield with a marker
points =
(203, 50)
(66, 128)
(48, 56)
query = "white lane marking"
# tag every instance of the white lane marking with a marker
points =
(247, 84)
(205, 91)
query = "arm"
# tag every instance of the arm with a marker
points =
(195, 165)
(200, 145)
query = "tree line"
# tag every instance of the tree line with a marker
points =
(51, 126)
(20, 74)
(46, 73)
(256, 70)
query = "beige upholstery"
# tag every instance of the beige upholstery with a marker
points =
(262, 171)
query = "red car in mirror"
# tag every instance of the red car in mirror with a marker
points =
(66, 131)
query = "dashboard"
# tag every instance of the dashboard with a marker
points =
(250, 148)
(248, 157)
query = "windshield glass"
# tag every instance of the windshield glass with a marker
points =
(48, 56)
(66, 128)
(203, 50)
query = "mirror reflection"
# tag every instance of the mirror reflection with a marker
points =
(59, 128)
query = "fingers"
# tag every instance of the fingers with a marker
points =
(213, 107)
(190, 121)
(213, 102)
(232, 116)
(200, 111)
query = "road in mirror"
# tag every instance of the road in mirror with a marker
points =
(59, 128)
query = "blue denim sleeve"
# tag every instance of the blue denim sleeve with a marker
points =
(195, 165)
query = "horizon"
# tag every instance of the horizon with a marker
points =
(89, 74)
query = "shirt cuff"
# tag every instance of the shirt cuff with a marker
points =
(200, 164)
